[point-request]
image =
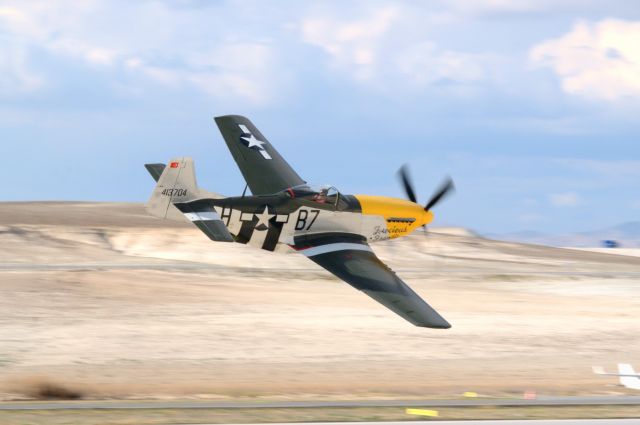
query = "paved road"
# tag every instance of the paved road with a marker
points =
(488, 422)
(187, 265)
(109, 266)
(540, 401)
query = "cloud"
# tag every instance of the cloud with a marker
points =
(91, 54)
(144, 42)
(353, 44)
(243, 70)
(58, 27)
(479, 7)
(424, 64)
(383, 48)
(520, 8)
(15, 74)
(567, 199)
(599, 61)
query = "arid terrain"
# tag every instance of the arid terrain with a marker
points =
(102, 300)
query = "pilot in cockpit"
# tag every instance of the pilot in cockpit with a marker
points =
(321, 196)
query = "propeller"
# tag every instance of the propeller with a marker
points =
(406, 183)
(445, 188)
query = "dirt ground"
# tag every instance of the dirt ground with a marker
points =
(103, 301)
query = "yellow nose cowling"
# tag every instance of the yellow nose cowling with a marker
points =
(402, 216)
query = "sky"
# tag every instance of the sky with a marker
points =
(530, 106)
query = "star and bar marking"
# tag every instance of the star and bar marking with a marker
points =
(264, 218)
(252, 142)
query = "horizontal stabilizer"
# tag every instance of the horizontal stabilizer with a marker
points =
(155, 170)
(206, 219)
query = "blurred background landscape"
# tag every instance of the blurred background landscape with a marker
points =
(102, 301)
(530, 106)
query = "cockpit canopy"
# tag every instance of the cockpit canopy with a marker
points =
(321, 194)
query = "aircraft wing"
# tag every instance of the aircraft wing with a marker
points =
(264, 170)
(350, 258)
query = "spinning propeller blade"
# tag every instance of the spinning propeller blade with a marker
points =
(445, 188)
(407, 184)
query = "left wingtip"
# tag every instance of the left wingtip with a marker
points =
(440, 324)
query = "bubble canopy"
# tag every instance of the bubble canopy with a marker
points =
(320, 193)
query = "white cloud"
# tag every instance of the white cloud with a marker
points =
(91, 54)
(394, 47)
(598, 61)
(147, 41)
(57, 26)
(567, 199)
(497, 6)
(15, 74)
(424, 64)
(379, 50)
(504, 8)
(351, 44)
(244, 70)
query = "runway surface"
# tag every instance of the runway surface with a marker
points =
(540, 401)
(487, 422)
(195, 266)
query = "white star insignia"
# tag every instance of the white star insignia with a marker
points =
(264, 217)
(251, 139)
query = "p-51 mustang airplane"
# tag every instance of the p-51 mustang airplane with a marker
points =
(332, 229)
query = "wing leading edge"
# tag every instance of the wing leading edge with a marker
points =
(264, 170)
(350, 258)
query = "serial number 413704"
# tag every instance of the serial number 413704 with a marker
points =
(174, 192)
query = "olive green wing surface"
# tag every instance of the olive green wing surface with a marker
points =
(264, 169)
(350, 258)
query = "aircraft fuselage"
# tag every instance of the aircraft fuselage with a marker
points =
(265, 221)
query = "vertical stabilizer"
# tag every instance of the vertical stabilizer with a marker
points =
(176, 183)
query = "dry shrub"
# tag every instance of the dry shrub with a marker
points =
(44, 388)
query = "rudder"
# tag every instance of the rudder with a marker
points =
(177, 183)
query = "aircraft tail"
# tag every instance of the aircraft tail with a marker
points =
(155, 170)
(176, 182)
(628, 377)
(177, 197)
